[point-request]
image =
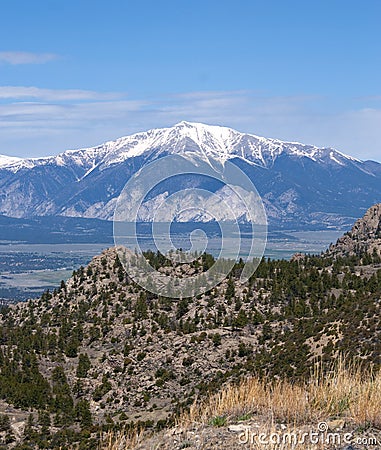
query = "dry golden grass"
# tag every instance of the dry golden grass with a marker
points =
(121, 441)
(343, 392)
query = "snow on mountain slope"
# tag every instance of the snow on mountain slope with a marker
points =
(300, 184)
(6, 161)
(208, 141)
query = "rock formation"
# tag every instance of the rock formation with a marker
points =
(365, 236)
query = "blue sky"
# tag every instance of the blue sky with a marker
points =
(77, 73)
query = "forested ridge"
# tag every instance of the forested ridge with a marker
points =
(100, 353)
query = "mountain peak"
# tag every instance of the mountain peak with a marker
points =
(214, 141)
(205, 127)
(186, 123)
(298, 182)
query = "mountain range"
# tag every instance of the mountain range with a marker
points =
(302, 186)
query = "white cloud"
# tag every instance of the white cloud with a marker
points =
(16, 58)
(30, 92)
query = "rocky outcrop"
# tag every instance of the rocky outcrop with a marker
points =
(365, 236)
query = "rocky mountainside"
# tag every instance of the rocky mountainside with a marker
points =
(364, 237)
(100, 352)
(301, 185)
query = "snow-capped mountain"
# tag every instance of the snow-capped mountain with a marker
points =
(208, 141)
(300, 184)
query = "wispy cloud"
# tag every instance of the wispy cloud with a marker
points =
(35, 121)
(15, 58)
(25, 93)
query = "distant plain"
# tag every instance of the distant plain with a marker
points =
(28, 269)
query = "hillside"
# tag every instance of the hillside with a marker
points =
(99, 352)
(302, 186)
